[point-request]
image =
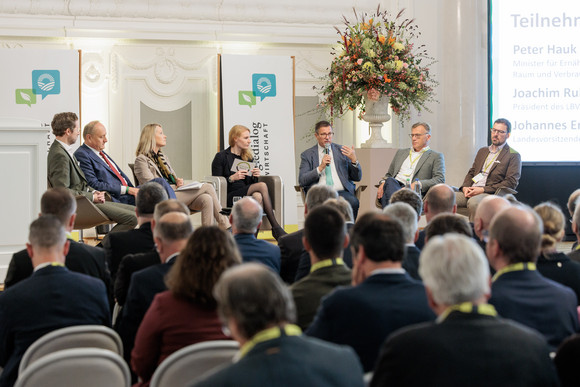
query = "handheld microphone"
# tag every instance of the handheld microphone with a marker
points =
(327, 148)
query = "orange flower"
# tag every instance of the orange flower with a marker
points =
(382, 39)
(387, 80)
(391, 40)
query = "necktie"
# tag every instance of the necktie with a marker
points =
(328, 171)
(123, 182)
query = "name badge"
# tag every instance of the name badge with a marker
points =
(477, 177)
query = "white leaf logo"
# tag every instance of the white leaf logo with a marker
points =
(25, 96)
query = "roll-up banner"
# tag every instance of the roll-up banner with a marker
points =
(258, 92)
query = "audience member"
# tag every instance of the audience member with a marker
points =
(413, 199)
(405, 214)
(132, 263)
(52, 298)
(80, 258)
(257, 309)
(291, 247)
(551, 263)
(469, 345)
(488, 207)
(246, 218)
(440, 199)
(518, 291)
(573, 201)
(185, 314)
(170, 234)
(575, 253)
(448, 223)
(566, 361)
(384, 298)
(324, 238)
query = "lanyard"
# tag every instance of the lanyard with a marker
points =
(326, 263)
(418, 156)
(468, 307)
(515, 267)
(486, 167)
(270, 334)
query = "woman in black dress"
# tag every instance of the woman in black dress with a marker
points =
(244, 182)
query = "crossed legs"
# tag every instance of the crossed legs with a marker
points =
(259, 191)
(205, 200)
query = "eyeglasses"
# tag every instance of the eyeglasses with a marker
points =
(497, 131)
(325, 134)
(412, 135)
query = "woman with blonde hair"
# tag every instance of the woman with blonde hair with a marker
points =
(244, 182)
(152, 163)
(186, 313)
(551, 263)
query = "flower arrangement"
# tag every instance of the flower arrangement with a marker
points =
(376, 57)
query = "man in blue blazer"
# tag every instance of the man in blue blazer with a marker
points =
(317, 166)
(52, 298)
(518, 291)
(384, 298)
(101, 171)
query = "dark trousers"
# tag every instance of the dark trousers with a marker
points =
(352, 200)
(391, 186)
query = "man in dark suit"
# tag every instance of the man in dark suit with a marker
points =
(496, 166)
(258, 310)
(405, 214)
(170, 235)
(291, 247)
(246, 218)
(384, 297)
(469, 345)
(324, 238)
(518, 290)
(64, 171)
(416, 165)
(317, 166)
(81, 258)
(52, 298)
(101, 171)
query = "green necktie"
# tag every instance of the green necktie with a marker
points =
(328, 171)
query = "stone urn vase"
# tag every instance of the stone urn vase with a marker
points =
(376, 114)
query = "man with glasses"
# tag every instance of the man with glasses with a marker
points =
(496, 166)
(330, 164)
(418, 165)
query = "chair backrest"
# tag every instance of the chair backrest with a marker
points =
(88, 215)
(192, 362)
(87, 367)
(78, 336)
(132, 167)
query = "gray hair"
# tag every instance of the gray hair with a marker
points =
(172, 227)
(255, 297)
(148, 196)
(46, 232)
(167, 206)
(454, 269)
(318, 194)
(423, 124)
(247, 215)
(405, 214)
(342, 206)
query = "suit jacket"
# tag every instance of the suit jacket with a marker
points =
(430, 169)
(52, 298)
(100, 176)
(64, 171)
(466, 349)
(291, 361)
(309, 162)
(537, 302)
(411, 261)
(132, 263)
(222, 166)
(574, 255)
(146, 169)
(504, 172)
(308, 292)
(81, 258)
(256, 250)
(363, 316)
(291, 248)
(119, 244)
(558, 267)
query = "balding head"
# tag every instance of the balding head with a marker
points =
(171, 233)
(246, 216)
(167, 206)
(486, 210)
(439, 199)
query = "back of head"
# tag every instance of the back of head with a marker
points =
(318, 194)
(576, 219)
(58, 202)
(448, 223)
(325, 230)
(342, 206)
(208, 253)
(169, 205)
(440, 198)
(553, 221)
(382, 238)
(63, 121)
(246, 215)
(488, 208)
(410, 197)
(454, 269)
(518, 232)
(255, 297)
(173, 227)
(405, 214)
(149, 195)
(47, 232)
(572, 201)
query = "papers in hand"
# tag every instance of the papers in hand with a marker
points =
(242, 165)
(192, 185)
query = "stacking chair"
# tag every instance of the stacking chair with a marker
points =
(87, 367)
(96, 336)
(193, 362)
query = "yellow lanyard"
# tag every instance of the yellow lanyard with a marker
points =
(418, 156)
(486, 167)
(270, 334)
(468, 307)
(515, 267)
(326, 263)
